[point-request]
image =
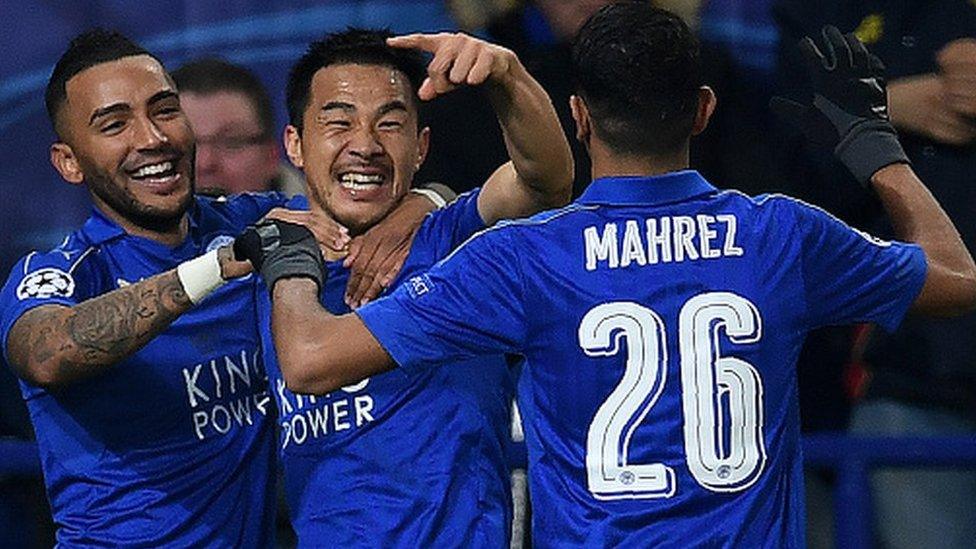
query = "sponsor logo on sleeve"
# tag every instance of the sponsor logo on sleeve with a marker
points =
(419, 285)
(45, 283)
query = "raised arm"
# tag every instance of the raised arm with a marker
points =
(540, 173)
(55, 345)
(950, 282)
(849, 112)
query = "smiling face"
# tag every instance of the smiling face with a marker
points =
(126, 138)
(360, 146)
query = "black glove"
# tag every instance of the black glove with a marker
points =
(850, 109)
(279, 249)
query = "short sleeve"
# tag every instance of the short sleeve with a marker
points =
(468, 305)
(449, 227)
(41, 279)
(850, 276)
(247, 208)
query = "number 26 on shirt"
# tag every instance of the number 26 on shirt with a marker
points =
(724, 451)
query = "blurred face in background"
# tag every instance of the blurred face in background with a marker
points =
(360, 145)
(234, 154)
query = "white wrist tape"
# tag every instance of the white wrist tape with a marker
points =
(431, 195)
(200, 276)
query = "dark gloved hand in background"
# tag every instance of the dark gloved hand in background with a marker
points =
(849, 111)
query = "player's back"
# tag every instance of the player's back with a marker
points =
(659, 393)
(660, 320)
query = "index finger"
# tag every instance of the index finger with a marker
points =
(426, 42)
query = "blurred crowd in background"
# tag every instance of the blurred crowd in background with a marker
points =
(230, 64)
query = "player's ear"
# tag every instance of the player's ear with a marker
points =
(292, 139)
(581, 116)
(64, 160)
(706, 106)
(423, 145)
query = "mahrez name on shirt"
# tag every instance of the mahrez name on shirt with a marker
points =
(661, 240)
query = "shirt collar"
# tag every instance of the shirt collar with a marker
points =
(99, 228)
(646, 190)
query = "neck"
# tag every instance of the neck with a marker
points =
(606, 163)
(170, 235)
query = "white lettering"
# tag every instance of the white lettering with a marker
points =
(191, 386)
(319, 418)
(684, 232)
(364, 405)
(295, 422)
(214, 421)
(601, 248)
(241, 373)
(633, 248)
(213, 370)
(666, 239)
(729, 249)
(706, 235)
(286, 407)
(338, 412)
(199, 420)
(357, 387)
(655, 239)
(285, 434)
(242, 411)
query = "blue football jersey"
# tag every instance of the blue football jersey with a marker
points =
(174, 445)
(402, 459)
(659, 320)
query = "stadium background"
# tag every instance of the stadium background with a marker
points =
(38, 209)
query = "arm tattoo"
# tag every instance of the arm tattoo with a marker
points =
(72, 342)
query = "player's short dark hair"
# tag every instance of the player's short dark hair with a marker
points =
(211, 75)
(639, 70)
(86, 50)
(352, 46)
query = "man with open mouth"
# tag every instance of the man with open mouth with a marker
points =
(150, 405)
(397, 460)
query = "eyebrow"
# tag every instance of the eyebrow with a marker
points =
(341, 105)
(113, 108)
(396, 105)
(160, 96)
(123, 107)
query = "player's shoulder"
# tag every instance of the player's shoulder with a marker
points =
(779, 207)
(783, 206)
(237, 210)
(535, 226)
(53, 272)
(553, 219)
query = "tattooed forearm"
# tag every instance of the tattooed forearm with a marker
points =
(52, 345)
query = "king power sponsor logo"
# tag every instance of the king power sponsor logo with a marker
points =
(225, 393)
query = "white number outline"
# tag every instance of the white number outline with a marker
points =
(705, 377)
(609, 474)
(703, 370)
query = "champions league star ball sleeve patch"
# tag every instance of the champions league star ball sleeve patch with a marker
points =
(45, 283)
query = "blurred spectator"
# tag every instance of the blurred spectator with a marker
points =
(921, 380)
(230, 111)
